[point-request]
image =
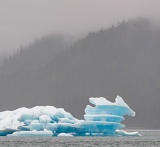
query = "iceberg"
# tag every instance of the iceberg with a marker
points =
(103, 119)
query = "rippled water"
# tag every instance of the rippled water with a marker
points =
(150, 138)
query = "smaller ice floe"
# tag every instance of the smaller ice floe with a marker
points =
(124, 133)
(65, 134)
(33, 133)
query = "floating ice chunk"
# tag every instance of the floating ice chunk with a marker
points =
(65, 134)
(104, 119)
(33, 133)
(124, 133)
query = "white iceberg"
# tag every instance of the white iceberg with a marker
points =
(64, 135)
(102, 120)
(44, 133)
(124, 133)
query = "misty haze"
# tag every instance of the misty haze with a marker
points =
(61, 53)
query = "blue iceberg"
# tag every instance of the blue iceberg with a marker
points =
(104, 119)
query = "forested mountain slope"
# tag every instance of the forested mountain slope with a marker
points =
(122, 60)
(35, 55)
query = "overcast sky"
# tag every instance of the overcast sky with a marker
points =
(23, 20)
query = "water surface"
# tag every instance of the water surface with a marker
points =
(150, 138)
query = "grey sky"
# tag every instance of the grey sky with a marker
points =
(23, 20)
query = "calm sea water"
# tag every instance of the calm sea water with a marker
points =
(150, 138)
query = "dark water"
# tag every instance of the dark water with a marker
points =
(150, 138)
